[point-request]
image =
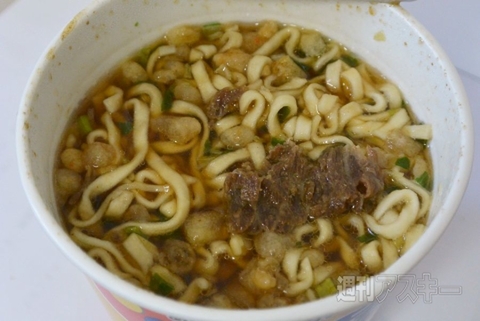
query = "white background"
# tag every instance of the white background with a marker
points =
(38, 283)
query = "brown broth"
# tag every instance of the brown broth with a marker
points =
(260, 281)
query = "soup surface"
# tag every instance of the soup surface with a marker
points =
(244, 166)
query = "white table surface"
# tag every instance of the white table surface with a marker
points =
(38, 283)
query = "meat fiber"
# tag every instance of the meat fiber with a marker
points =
(224, 102)
(292, 188)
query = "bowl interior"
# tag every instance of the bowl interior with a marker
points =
(107, 32)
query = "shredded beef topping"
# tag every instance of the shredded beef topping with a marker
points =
(291, 188)
(224, 102)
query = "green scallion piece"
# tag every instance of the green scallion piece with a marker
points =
(424, 180)
(367, 237)
(283, 114)
(134, 229)
(161, 217)
(168, 98)
(211, 28)
(325, 288)
(350, 60)
(84, 125)
(143, 55)
(309, 71)
(299, 244)
(277, 141)
(207, 147)
(300, 53)
(160, 286)
(423, 142)
(403, 162)
(125, 127)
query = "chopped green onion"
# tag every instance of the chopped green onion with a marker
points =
(325, 288)
(424, 180)
(300, 53)
(125, 127)
(299, 244)
(403, 162)
(160, 239)
(210, 151)
(143, 55)
(423, 142)
(211, 28)
(277, 141)
(84, 125)
(134, 229)
(160, 286)
(367, 237)
(393, 111)
(283, 113)
(161, 217)
(168, 98)
(263, 130)
(350, 60)
(308, 70)
(391, 188)
(208, 147)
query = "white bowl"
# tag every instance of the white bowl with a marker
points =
(108, 31)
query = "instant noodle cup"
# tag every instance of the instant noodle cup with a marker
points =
(107, 32)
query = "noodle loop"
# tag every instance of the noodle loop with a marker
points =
(244, 166)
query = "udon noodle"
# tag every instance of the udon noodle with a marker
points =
(244, 166)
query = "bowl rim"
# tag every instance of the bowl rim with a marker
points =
(151, 301)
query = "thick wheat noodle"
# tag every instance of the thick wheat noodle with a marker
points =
(182, 195)
(204, 84)
(97, 134)
(370, 254)
(290, 263)
(222, 162)
(202, 52)
(304, 279)
(107, 259)
(378, 97)
(255, 67)
(406, 218)
(280, 102)
(389, 252)
(169, 147)
(186, 108)
(221, 82)
(425, 195)
(113, 136)
(325, 58)
(163, 191)
(251, 115)
(348, 255)
(233, 39)
(352, 78)
(194, 290)
(115, 100)
(290, 36)
(155, 95)
(109, 180)
(93, 242)
(157, 54)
